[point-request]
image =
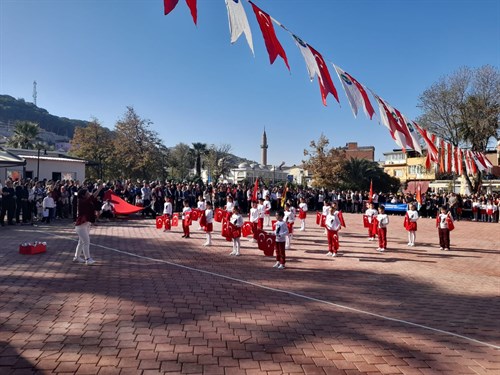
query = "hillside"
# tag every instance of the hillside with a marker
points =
(12, 110)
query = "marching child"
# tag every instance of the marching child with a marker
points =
(443, 223)
(370, 213)
(411, 224)
(201, 206)
(332, 223)
(281, 233)
(167, 210)
(490, 211)
(185, 226)
(267, 211)
(209, 226)
(260, 207)
(302, 214)
(325, 210)
(289, 219)
(383, 222)
(254, 220)
(237, 221)
(229, 204)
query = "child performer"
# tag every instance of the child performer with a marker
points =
(371, 212)
(167, 210)
(411, 225)
(332, 223)
(237, 221)
(185, 226)
(229, 204)
(254, 220)
(281, 233)
(289, 219)
(201, 206)
(383, 222)
(267, 211)
(260, 207)
(302, 214)
(209, 226)
(443, 220)
(325, 210)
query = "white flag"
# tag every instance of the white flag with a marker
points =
(238, 22)
(355, 92)
(312, 66)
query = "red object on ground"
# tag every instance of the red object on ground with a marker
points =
(121, 207)
(175, 220)
(29, 249)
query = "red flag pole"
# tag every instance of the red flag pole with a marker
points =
(255, 190)
(371, 192)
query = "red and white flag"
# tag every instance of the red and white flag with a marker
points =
(316, 66)
(388, 119)
(169, 5)
(355, 92)
(273, 46)
(409, 131)
(449, 157)
(432, 151)
(238, 22)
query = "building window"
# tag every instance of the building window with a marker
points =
(398, 173)
(416, 169)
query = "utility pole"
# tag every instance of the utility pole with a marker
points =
(34, 92)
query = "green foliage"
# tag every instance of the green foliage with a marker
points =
(25, 135)
(12, 109)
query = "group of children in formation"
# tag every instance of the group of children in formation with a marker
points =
(260, 217)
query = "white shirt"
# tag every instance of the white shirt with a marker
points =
(167, 208)
(383, 220)
(260, 207)
(184, 211)
(371, 212)
(412, 215)
(237, 220)
(332, 221)
(303, 206)
(281, 231)
(229, 206)
(289, 217)
(201, 205)
(209, 216)
(254, 215)
(267, 206)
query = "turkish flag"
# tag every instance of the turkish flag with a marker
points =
(270, 245)
(195, 214)
(168, 223)
(341, 218)
(159, 222)
(325, 81)
(406, 222)
(188, 220)
(169, 6)
(261, 239)
(323, 221)
(366, 222)
(273, 224)
(375, 225)
(449, 221)
(225, 231)
(318, 218)
(175, 220)
(203, 219)
(246, 229)
(273, 46)
(219, 214)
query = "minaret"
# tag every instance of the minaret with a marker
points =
(264, 146)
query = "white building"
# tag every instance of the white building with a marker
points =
(50, 165)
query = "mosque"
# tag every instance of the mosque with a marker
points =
(275, 173)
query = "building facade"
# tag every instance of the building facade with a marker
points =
(352, 151)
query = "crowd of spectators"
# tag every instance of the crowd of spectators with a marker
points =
(27, 202)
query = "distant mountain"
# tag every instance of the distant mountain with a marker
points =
(12, 110)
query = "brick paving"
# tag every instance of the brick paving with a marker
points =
(155, 303)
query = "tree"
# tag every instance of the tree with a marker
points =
(357, 174)
(25, 135)
(325, 164)
(181, 160)
(464, 109)
(199, 150)
(218, 161)
(95, 144)
(137, 152)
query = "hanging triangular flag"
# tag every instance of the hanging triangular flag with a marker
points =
(311, 58)
(411, 137)
(388, 119)
(355, 92)
(326, 83)
(273, 46)
(458, 158)
(432, 151)
(238, 22)
(169, 5)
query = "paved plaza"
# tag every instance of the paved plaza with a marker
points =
(155, 303)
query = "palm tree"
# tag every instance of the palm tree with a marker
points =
(199, 150)
(25, 133)
(358, 173)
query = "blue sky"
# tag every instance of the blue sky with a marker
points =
(95, 57)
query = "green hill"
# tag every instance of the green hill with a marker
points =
(12, 110)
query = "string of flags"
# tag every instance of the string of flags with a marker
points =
(406, 133)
